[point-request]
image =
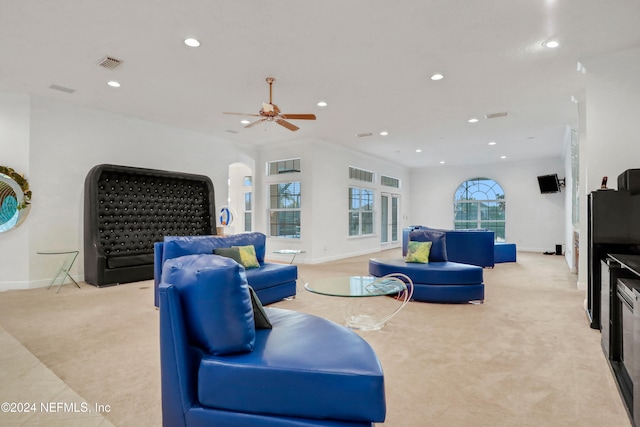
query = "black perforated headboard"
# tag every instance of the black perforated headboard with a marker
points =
(128, 209)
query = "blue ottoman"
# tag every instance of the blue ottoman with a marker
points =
(443, 282)
(504, 252)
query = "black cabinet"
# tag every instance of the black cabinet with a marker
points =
(613, 227)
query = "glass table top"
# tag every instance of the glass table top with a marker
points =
(355, 286)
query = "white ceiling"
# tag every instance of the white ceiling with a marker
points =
(369, 59)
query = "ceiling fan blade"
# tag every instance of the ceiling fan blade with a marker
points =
(242, 114)
(298, 116)
(255, 123)
(286, 124)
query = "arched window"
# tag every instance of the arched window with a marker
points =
(479, 203)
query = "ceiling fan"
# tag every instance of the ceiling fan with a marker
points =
(271, 113)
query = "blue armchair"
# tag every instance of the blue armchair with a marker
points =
(219, 367)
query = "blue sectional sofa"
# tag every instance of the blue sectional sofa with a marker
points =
(443, 280)
(271, 281)
(475, 247)
(219, 368)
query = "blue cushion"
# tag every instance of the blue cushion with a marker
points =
(305, 366)
(220, 316)
(434, 273)
(176, 246)
(271, 274)
(438, 239)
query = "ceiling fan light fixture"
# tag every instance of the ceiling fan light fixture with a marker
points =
(270, 112)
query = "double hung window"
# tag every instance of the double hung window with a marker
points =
(284, 210)
(360, 211)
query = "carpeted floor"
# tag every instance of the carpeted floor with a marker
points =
(526, 357)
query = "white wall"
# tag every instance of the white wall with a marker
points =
(14, 153)
(535, 222)
(324, 186)
(64, 142)
(613, 141)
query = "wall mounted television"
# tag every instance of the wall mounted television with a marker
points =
(549, 183)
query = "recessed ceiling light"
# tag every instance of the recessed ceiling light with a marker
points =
(503, 157)
(442, 162)
(492, 143)
(245, 122)
(113, 83)
(551, 44)
(192, 42)
(418, 151)
(384, 133)
(437, 76)
(322, 104)
(473, 120)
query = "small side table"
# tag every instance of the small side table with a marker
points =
(293, 252)
(361, 317)
(64, 268)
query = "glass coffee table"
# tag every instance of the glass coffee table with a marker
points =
(360, 315)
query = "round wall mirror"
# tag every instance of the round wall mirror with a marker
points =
(14, 203)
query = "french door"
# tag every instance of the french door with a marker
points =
(389, 215)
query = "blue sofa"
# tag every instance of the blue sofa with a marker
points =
(218, 368)
(442, 280)
(271, 281)
(473, 246)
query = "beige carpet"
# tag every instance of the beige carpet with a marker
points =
(526, 357)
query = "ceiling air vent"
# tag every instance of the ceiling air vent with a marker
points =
(364, 135)
(109, 62)
(62, 88)
(495, 115)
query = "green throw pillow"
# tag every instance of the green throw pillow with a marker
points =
(248, 256)
(259, 315)
(233, 253)
(418, 252)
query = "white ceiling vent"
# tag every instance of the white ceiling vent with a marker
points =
(109, 62)
(495, 115)
(62, 88)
